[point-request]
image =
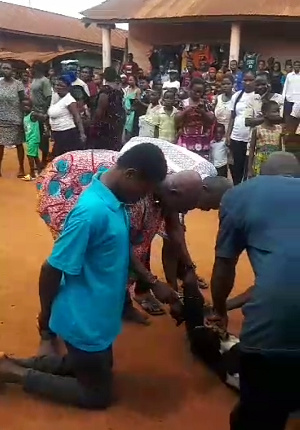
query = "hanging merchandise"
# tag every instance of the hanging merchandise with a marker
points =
(250, 61)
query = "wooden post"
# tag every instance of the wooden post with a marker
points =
(235, 41)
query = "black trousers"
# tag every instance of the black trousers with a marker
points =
(269, 391)
(287, 109)
(239, 151)
(223, 171)
(81, 378)
(66, 141)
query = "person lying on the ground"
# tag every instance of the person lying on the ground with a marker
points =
(67, 176)
(218, 349)
(83, 282)
(261, 217)
(179, 159)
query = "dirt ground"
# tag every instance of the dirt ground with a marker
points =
(159, 385)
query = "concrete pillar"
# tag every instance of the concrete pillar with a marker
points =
(106, 46)
(235, 41)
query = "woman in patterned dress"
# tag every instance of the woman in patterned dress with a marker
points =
(108, 120)
(11, 116)
(195, 121)
(266, 138)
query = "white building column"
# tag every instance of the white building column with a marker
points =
(106, 46)
(235, 41)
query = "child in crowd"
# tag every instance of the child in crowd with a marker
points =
(32, 139)
(164, 118)
(266, 138)
(218, 151)
(181, 96)
(173, 82)
(146, 128)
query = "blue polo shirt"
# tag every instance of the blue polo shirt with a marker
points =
(262, 216)
(93, 254)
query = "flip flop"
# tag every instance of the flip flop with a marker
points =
(150, 305)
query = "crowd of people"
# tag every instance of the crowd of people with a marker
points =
(131, 156)
(222, 114)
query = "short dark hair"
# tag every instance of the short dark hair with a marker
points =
(170, 91)
(222, 126)
(264, 75)
(110, 74)
(229, 77)
(38, 66)
(266, 106)
(147, 159)
(197, 81)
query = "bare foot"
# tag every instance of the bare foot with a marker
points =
(9, 371)
(21, 173)
(47, 347)
(133, 315)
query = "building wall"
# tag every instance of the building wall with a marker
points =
(23, 43)
(280, 40)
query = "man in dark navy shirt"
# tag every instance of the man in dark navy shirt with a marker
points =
(262, 217)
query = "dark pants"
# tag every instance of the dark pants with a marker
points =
(269, 391)
(66, 141)
(287, 109)
(223, 171)
(239, 151)
(81, 378)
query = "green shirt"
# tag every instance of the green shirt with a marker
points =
(32, 130)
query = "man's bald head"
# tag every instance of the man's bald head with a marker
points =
(214, 189)
(281, 163)
(179, 191)
(186, 191)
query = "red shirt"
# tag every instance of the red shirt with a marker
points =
(187, 78)
(93, 89)
(130, 69)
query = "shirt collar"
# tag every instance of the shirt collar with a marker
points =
(105, 193)
(162, 110)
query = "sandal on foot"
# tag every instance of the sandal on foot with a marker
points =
(28, 178)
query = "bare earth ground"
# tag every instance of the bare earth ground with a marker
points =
(158, 383)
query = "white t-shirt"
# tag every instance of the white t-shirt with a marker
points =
(240, 132)
(60, 117)
(218, 153)
(169, 84)
(296, 110)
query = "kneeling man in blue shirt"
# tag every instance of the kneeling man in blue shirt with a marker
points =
(83, 285)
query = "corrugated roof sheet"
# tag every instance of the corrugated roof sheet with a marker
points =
(118, 10)
(30, 57)
(114, 10)
(27, 20)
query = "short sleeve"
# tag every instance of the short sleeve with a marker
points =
(68, 100)
(232, 101)
(47, 89)
(296, 110)
(155, 119)
(69, 249)
(230, 239)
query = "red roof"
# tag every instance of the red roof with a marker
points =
(21, 19)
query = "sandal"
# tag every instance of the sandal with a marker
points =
(150, 305)
(28, 178)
